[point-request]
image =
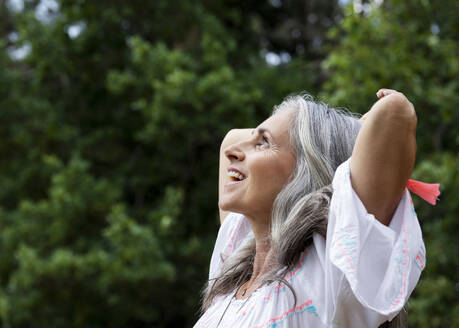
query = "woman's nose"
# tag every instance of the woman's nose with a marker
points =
(234, 152)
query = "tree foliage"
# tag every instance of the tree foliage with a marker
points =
(112, 114)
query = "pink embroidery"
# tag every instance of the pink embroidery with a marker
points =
(248, 311)
(402, 267)
(337, 237)
(272, 322)
(419, 262)
(291, 274)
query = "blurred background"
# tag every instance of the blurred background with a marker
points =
(111, 118)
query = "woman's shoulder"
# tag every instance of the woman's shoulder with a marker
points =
(233, 232)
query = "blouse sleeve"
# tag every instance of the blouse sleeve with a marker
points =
(370, 269)
(232, 233)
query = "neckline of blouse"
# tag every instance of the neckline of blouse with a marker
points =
(254, 293)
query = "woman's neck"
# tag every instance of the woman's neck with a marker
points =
(262, 259)
(263, 252)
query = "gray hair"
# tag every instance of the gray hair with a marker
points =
(322, 138)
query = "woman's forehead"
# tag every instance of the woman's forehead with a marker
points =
(277, 125)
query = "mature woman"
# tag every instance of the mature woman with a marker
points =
(318, 229)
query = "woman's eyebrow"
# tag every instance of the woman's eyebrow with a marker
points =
(261, 130)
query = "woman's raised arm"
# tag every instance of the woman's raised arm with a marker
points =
(232, 137)
(384, 154)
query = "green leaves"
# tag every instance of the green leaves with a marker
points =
(54, 247)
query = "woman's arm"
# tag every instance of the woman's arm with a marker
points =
(384, 154)
(233, 136)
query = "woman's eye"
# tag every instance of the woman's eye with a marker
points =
(263, 143)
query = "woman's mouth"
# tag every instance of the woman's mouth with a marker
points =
(235, 177)
(233, 182)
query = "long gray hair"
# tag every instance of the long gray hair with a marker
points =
(322, 138)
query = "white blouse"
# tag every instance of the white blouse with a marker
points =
(361, 275)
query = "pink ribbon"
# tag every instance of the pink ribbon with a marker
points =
(427, 191)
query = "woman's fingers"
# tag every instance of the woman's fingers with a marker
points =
(384, 92)
(381, 93)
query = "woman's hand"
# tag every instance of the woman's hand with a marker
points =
(385, 92)
(393, 94)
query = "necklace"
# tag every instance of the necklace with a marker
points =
(244, 290)
(234, 296)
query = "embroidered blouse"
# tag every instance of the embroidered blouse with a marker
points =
(361, 275)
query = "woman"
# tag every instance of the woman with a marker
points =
(317, 229)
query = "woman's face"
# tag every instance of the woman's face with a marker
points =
(266, 161)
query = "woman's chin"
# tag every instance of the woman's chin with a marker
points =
(228, 206)
(225, 206)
